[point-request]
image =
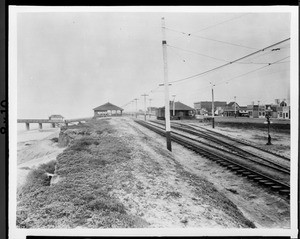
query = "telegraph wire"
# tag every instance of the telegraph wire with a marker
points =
(183, 59)
(269, 64)
(228, 20)
(210, 39)
(218, 59)
(224, 42)
(211, 26)
(229, 63)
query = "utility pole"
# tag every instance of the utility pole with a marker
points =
(145, 104)
(212, 105)
(235, 107)
(150, 108)
(167, 103)
(136, 107)
(132, 107)
(174, 105)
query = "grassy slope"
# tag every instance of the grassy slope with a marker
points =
(82, 195)
(89, 169)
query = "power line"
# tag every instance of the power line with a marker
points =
(211, 26)
(218, 59)
(228, 20)
(229, 63)
(210, 39)
(224, 42)
(269, 64)
(182, 58)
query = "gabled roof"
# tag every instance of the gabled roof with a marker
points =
(55, 116)
(107, 106)
(243, 107)
(179, 106)
(231, 104)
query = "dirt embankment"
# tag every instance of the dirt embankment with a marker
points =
(113, 175)
(33, 150)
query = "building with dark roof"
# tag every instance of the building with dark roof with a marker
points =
(107, 109)
(231, 109)
(178, 110)
(56, 117)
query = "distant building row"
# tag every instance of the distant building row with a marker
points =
(277, 110)
(179, 110)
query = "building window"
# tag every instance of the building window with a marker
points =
(263, 113)
(280, 114)
(259, 113)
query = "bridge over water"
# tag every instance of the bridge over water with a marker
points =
(53, 123)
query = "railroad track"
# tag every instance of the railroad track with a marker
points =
(226, 143)
(238, 141)
(264, 175)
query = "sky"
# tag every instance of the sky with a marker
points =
(71, 62)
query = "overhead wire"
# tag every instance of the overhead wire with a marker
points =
(229, 63)
(218, 59)
(210, 39)
(228, 20)
(269, 64)
(214, 25)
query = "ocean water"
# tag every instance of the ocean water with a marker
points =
(35, 133)
(22, 127)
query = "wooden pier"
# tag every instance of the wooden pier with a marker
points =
(54, 123)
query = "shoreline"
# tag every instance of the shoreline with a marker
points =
(35, 147)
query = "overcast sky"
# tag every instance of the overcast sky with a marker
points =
(70, 63)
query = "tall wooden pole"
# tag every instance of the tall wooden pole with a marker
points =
(150, 113)
(174, 105)
(136, 107)
(145, 104)
(235, 106)
(166, 84)
(212, 106)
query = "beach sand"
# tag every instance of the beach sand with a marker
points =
(35, 147)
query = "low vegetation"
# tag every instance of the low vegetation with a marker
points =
(81, 198)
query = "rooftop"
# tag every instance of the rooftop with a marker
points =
(107, 106)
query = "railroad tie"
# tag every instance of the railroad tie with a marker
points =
(257, 178)
(245, 173)
(276, 187)
(233, 167)
(284, 191)
(240, 171)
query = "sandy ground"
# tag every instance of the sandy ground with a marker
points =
(280, 141)
(265, 208)
(35, 147)
(165, 190)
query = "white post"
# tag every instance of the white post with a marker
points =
(167, 102)
(136, 107)
(174, 105)
(145, 104)
(212, 105)
(150, 113)
(235, 106)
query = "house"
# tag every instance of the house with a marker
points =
(231, 109)
(178, 110)
(56, 117)
(243, 111)
(107, 109)
(261, 111)
(283, 111)
(205, 107)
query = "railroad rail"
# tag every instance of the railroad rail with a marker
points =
(238, 141)
(267, 176)
(266, 159)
